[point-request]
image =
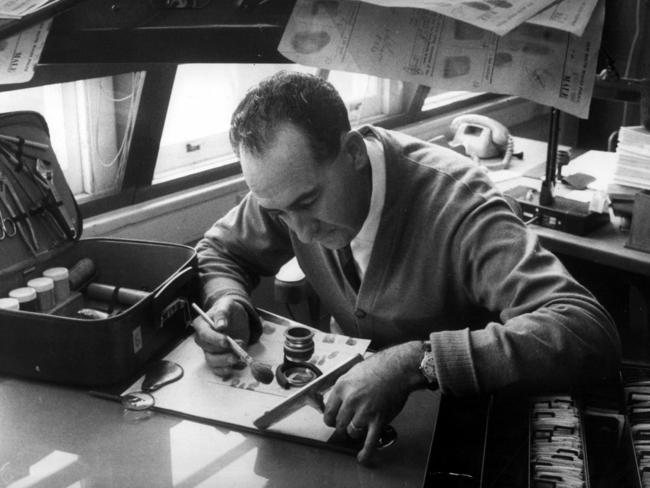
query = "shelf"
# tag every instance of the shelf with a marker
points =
(11, 27)
(100, 31)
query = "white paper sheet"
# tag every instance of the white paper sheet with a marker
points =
(241, 399)
(20, 53)
(19, 8)
(498, 16)
(544, 65)
(568, 15)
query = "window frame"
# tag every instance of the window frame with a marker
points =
(155, 96)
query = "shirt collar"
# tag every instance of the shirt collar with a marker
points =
(368, 232)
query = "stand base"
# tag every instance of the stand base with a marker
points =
(563, 214)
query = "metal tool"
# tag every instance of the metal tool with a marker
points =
(157, 375)
(310, 394)
(44, 177)
(7, 227)
(6, 192)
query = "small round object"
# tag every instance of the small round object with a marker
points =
(137, 400)
(61, 278)
(387, 438)
(298, 344)
(9, 304)
(44, 287)
(296, 374)
(26, 295)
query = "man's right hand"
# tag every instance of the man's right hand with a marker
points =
(229, 317)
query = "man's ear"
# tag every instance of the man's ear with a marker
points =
(354, 147)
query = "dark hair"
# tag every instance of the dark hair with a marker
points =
(310, 103)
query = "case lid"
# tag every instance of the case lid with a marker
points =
(38, 212)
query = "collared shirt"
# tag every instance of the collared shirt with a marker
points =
(362, 243)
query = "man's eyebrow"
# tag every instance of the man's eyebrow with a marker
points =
(304, 197)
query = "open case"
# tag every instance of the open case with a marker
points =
(144, 287)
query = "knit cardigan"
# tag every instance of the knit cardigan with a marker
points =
(451, 263)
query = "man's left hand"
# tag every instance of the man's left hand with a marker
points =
(372, 393)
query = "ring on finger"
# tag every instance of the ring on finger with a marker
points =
(355, 428)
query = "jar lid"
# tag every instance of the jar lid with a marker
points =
(9, 304)
(58, 273)
(23, 294)
(41, 284)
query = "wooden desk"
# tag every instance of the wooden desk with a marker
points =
(53, 436)
(604, 246)
(618, 276)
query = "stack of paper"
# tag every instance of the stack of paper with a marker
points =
(633, 164)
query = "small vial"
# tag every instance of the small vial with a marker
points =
(9, 304)
(298, 345)
(26, 296)
(61, 278)
(44, 292)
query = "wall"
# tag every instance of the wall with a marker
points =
(618, 33)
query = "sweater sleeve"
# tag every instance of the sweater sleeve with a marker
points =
(237, 250)
(552, 332)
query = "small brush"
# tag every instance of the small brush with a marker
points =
(261, 372)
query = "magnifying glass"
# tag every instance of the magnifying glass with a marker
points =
(157, 375)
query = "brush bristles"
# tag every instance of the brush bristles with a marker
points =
(262, 373)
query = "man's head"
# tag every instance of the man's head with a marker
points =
(300, 158)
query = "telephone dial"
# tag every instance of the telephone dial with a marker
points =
(483, 138)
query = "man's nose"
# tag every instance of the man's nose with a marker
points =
(304, 226)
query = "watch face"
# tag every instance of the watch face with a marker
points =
(428, 367)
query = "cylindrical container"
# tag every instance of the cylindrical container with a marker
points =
(298, 344)
(26, 295)
(61, 278)
(44, 292)
(82, 273)
(9, 304)
(109, 293)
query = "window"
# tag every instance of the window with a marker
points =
(195, 135)
(130, 137)
(441, 99)
(90, 123)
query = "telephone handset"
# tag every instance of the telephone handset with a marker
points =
(483, 138)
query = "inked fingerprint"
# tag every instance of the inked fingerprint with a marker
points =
(477, 5)
(308, 42)
(456, 66)
(501, 59)
(467, 32)
(499, 3)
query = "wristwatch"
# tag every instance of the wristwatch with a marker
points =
(428, 366)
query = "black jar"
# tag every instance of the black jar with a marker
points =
(298, 344)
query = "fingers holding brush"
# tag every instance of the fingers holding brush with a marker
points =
(222, 351)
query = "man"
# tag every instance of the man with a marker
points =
(455, 292)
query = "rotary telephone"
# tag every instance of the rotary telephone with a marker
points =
(483, 139)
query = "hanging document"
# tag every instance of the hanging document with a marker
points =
(548, 66)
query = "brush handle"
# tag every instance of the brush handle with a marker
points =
(233, 344)
(244, 356)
